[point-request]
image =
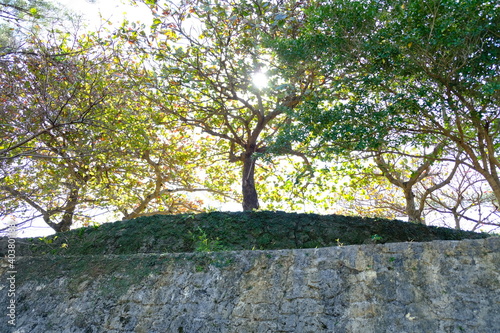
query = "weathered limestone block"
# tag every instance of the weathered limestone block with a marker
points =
(442, 286)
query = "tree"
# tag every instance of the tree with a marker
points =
(405, 73)
(388, 182)
(467, 199)
(44, 89)
(207, 56)
(19, 17)
(20, 50)
(79, 137)
(408, 172)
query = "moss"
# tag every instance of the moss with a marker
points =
(232, 231)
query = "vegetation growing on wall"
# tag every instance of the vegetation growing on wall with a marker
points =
(218, 231)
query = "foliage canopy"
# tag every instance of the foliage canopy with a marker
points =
(372, 107)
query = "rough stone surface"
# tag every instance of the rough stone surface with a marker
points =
(441, 286)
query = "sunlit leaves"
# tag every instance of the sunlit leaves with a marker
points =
(82, 139)
(205, 54)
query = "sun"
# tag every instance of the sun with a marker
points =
(260, 80)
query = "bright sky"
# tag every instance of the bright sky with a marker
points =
(113, 10)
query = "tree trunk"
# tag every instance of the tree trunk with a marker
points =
(494, 182)
(250, 197)
(69, 211)
(457, 219)
(414, 214)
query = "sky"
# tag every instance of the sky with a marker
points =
(112, 10)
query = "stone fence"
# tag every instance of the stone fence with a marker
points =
(440, 286)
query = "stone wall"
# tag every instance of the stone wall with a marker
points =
(441, 286)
